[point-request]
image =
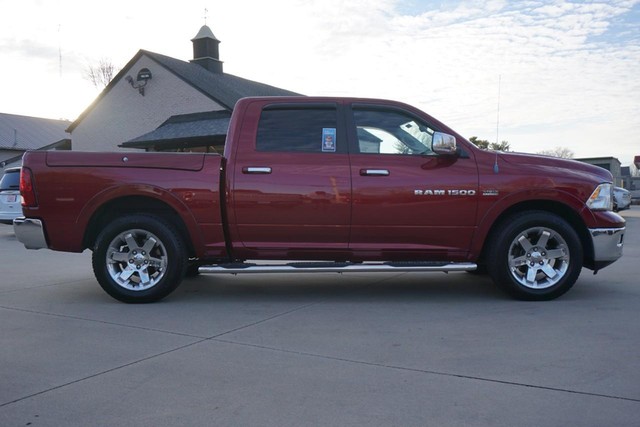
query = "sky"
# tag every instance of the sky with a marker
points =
(539, 74)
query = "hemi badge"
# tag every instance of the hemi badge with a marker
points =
(490, 192)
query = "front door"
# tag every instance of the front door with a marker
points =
(408, 202)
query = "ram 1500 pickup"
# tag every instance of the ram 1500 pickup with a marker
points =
(325, 185)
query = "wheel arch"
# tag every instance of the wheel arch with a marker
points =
(135, 204)
(560, 209)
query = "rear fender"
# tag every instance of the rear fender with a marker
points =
(111, 194)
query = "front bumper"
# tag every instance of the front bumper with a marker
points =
(30, 232)
(607, 245)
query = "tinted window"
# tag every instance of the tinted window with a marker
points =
(301, 130)
(10, 181)
(391, 132)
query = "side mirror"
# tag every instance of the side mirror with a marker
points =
(443, 143)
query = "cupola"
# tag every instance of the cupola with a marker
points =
(206, 50)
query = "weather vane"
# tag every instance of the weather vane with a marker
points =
(205, 15)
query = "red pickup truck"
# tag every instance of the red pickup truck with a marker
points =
(327, 185)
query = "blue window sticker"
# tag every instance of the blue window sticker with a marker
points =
(328, 140)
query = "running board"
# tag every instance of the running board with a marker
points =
(336, 267)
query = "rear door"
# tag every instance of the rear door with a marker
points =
(408, 202)
(291, 194)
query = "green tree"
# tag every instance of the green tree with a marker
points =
(480, 143)
(486, 145)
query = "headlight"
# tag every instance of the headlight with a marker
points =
(602, 198)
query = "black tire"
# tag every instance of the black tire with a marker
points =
(534, 256)
(480, 271)
(139, 258)
(192, 270)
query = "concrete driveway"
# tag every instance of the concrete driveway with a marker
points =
(316, 350)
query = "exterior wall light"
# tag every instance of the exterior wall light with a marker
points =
(144, 75)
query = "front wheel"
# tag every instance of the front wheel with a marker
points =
(536, 256)
(139, 258)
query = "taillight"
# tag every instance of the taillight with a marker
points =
(27, 191)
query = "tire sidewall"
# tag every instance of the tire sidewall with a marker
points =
(167, 235)
(507, 232)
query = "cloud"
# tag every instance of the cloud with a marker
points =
(27, 48)
(567, 68)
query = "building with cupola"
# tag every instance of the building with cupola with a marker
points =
(160, 103)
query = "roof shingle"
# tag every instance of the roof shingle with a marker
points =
(30, 133)
(226, 89)
(208, 126)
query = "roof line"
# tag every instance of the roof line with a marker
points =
(123, 72)
(165, 62)
(105, 91)
(34, 117)
(199, 89)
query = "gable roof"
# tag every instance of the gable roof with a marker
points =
(30, 133)
(225, 89)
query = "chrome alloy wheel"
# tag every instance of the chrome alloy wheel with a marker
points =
(136, 260)
(538, 258)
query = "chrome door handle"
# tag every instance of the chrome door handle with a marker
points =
(256, 170)
(374, 172)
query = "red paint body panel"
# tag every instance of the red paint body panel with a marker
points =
(302, 209)
(316, 205)
(390, 221)
(73, 186)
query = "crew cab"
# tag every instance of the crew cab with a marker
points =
(317, 184)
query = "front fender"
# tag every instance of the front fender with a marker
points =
(554, 200)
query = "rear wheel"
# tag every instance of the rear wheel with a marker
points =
(139, 258)
(535, 256)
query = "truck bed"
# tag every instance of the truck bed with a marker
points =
(77, 191)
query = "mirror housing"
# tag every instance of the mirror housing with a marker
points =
(443, 143)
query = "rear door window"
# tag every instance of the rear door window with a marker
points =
(306, 130)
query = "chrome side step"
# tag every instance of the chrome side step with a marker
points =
(335, 267)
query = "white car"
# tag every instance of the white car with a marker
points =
(10, 206)
(621, 199)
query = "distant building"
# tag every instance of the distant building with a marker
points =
(611, 164)
(161, 103)
(21, 133)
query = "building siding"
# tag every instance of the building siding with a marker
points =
(123, 114)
